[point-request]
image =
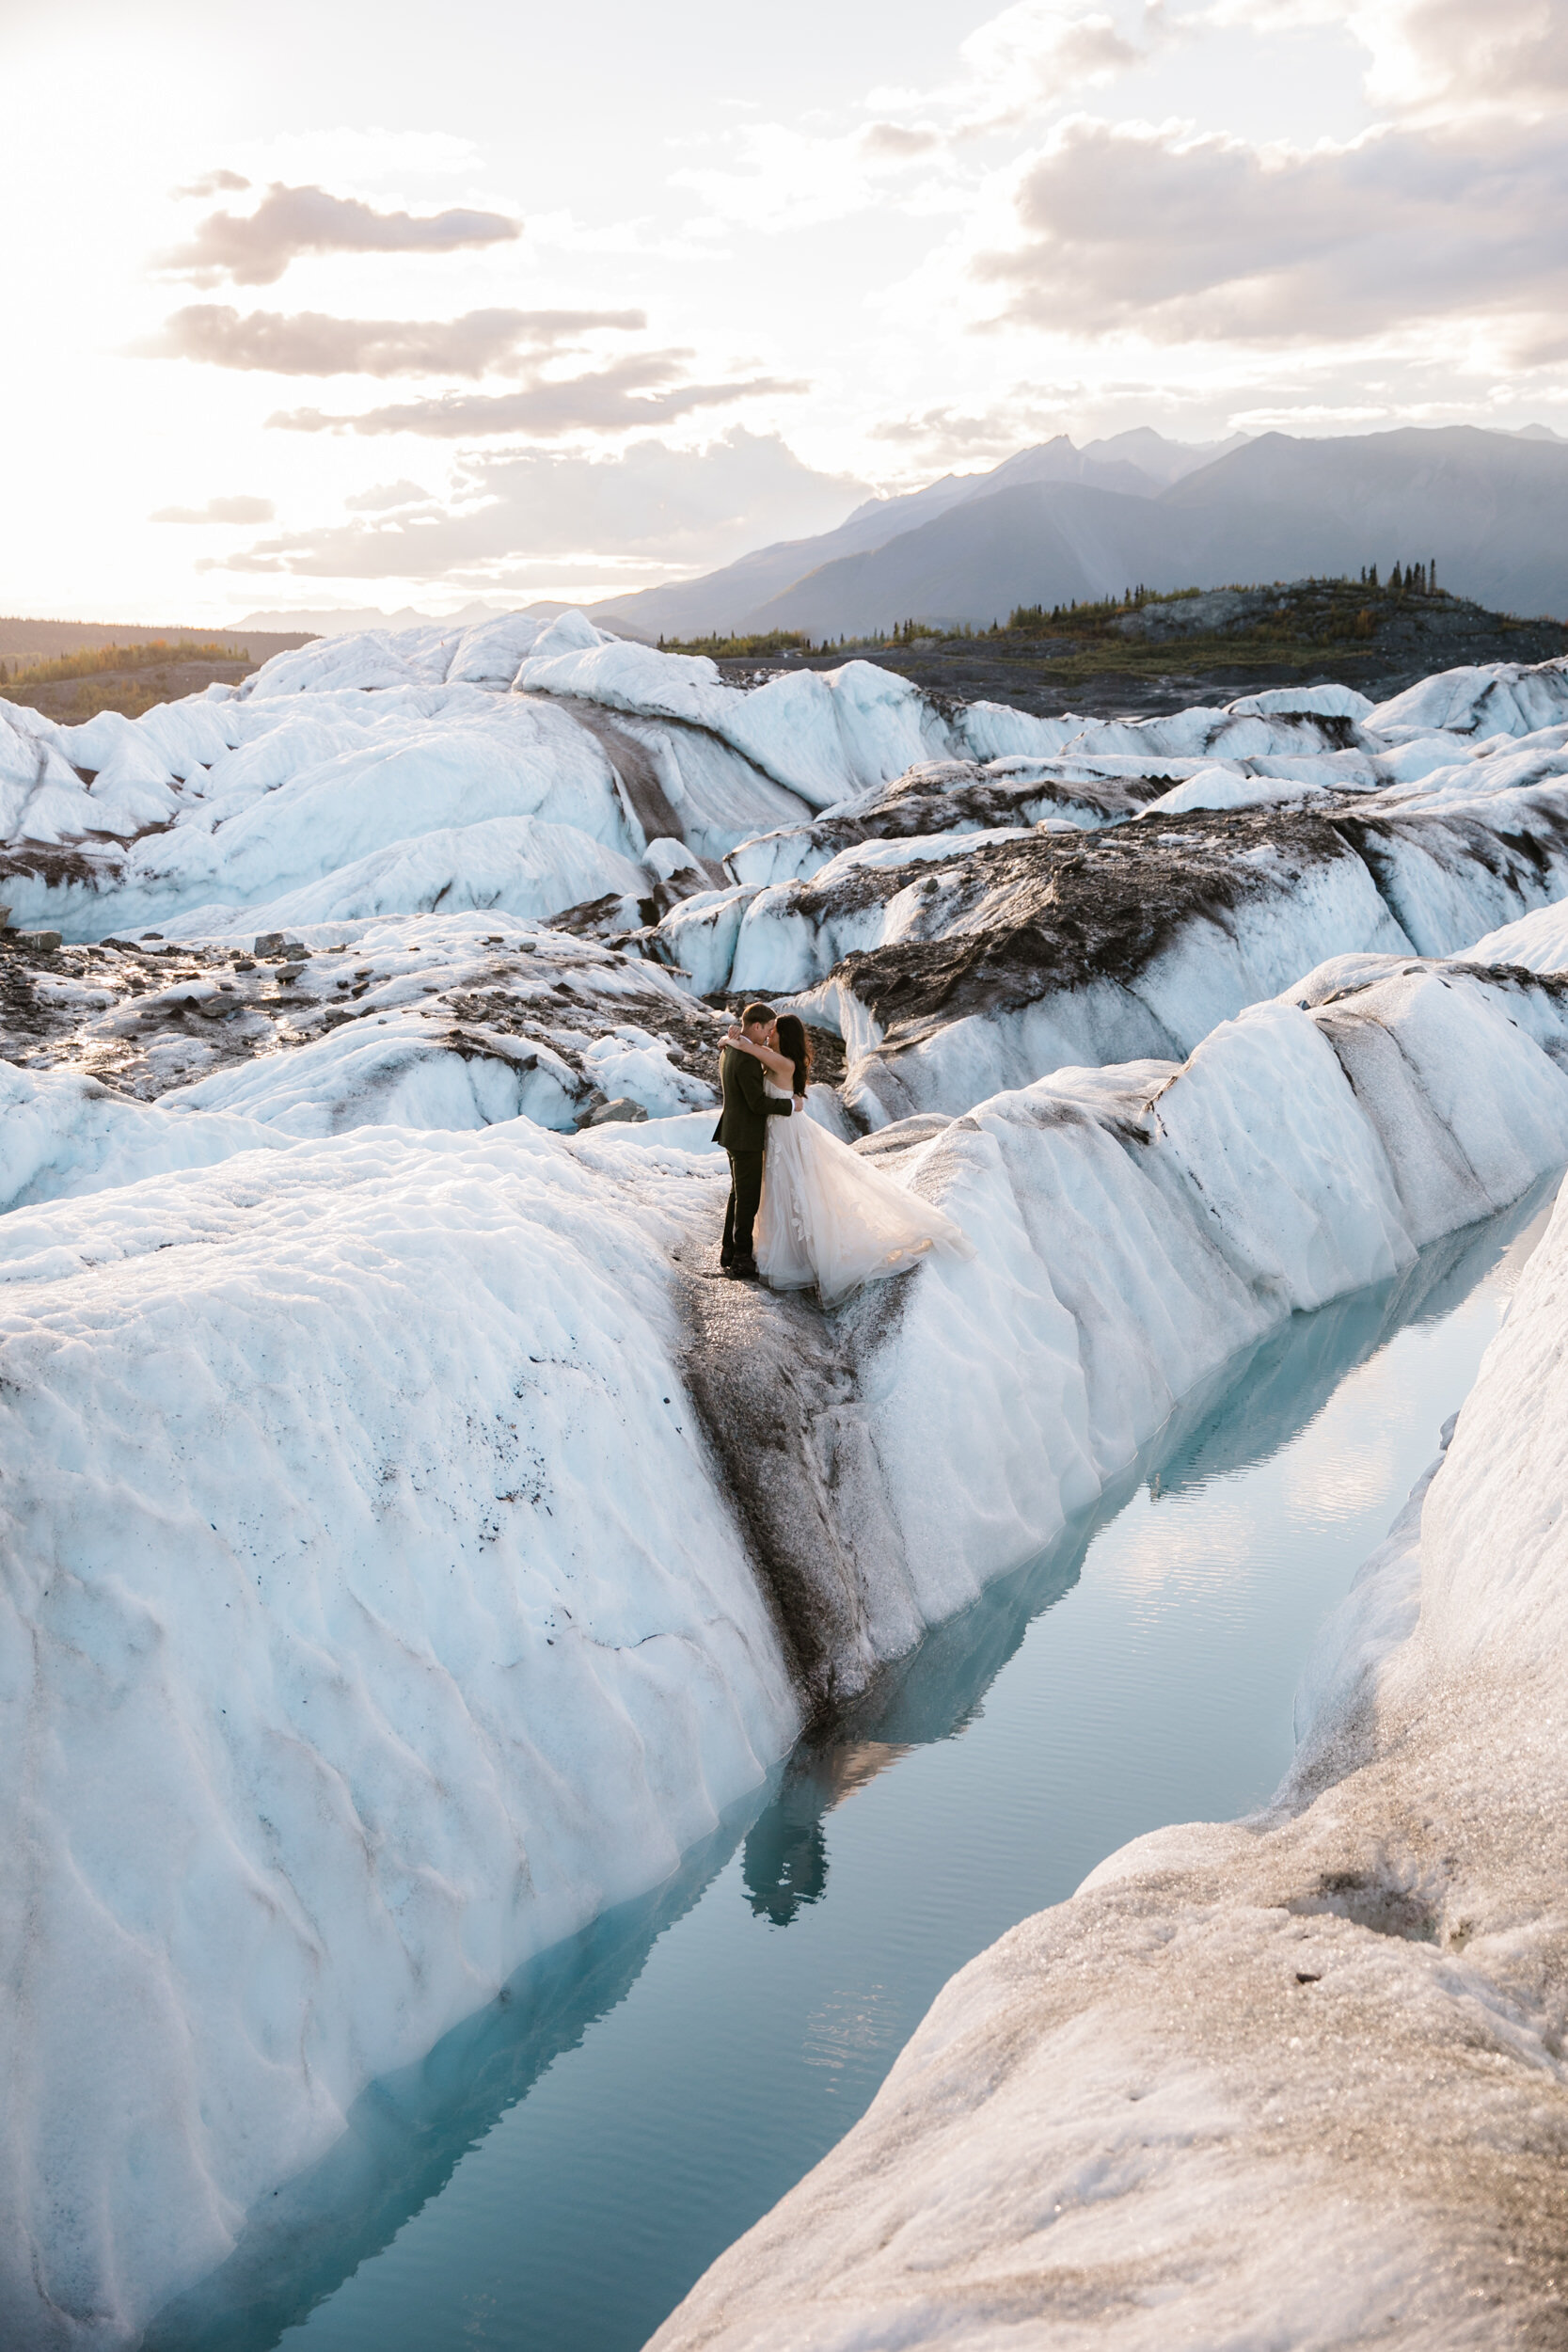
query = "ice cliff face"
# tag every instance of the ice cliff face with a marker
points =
(1299, 2079)
(411, 1549)
(370, 1619)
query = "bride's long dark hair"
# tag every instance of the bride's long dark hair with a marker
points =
(794, 1041)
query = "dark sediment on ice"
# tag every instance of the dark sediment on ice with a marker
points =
(1024, 920)
(775, 1383)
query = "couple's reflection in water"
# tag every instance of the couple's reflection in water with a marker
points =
(407, 2132)
(784, 1861)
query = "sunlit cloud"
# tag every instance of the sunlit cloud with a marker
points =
(673, 509)
(1448, 55)
(255, 248)
(1212, 239)
(214, 184)
(1037, 54)
(231, 510)
(310, 343)
(630, 394)
(385, 497)
(897, 142)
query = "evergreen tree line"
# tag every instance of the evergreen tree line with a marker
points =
(1415, 579)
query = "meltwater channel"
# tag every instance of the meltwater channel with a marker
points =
(559, 2170)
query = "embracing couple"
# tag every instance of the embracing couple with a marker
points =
(804, 1210)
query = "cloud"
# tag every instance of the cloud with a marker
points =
(651, 508)
(385, 495)
(235, 510)
(1209, 239)
(632, 392)
(1448, 55)
(255, 248)
(948, 433)
(312, 344)
(1017, 66)
(1036, 54)
(214, 184)
(896, 141)
(782, 179)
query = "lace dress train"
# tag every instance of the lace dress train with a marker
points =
(835, 1221)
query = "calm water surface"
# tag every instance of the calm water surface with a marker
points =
(558, 2172)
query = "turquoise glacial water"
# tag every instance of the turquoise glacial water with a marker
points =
(558, 2172)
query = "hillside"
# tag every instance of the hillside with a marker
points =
(1151, 655)
(1491, 507)
(1047, 542)
(70, 669)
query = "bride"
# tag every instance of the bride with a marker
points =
(828, 1217)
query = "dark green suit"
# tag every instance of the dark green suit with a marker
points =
(742, 1130)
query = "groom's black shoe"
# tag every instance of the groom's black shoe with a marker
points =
(742, 1270)
(726, 1259)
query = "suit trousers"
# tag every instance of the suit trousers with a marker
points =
(745, 1198)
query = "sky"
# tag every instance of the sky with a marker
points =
(326, 306)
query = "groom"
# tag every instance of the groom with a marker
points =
(742, 1130)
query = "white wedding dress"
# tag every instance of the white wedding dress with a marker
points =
(831, 1219)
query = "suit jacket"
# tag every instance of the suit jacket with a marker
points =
(748, 1108)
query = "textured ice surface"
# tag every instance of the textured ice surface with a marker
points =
(378, 1607)
(1293, 2081)
(408, 1550)
(1539, 941)
(63, 1134)
(530, 769)
(422, 1021)
(370, 1618)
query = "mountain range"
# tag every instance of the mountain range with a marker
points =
(1056, 524)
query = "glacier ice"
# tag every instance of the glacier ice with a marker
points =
(1296, 2079)
(397, 1452)
(371, 1619)
(426, 1021)
(330, 1423)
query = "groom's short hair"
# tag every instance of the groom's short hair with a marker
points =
(754, 1013)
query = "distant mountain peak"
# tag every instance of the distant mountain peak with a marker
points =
(1054, 524)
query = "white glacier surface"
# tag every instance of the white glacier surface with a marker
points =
(1296, 2080)
(378, 1610)
(370, 1620)
(393, 1581)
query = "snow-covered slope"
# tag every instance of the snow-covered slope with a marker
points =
(956, 963)
(1136, 1225)
(1295, 2081)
